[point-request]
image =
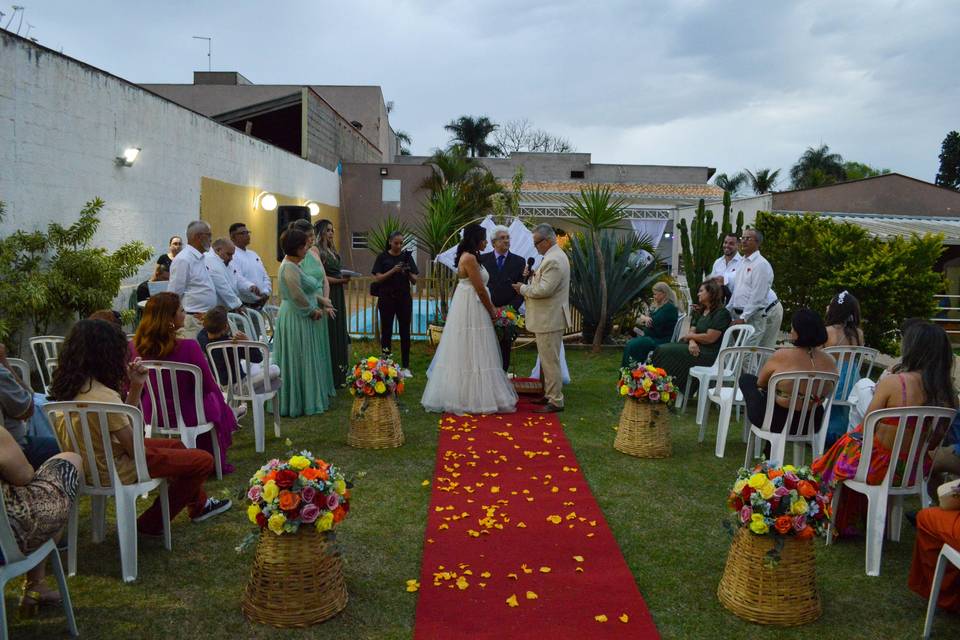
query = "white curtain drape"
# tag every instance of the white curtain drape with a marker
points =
(652, 228)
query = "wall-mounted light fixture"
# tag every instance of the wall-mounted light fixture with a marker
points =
(129, 157)
(313, 206)
(383, 171)
(266, 201)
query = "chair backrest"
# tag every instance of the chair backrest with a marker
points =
(929, 426)
(259, 323)
(239, 322)
(21, 368)
(8, 543)
(74, 413)
(809, 390)
(237, 356)
(736, 335)
(850, 362)
(51, 365)
(43, 349)
(678, 327)
(165, 382)
(272, 311)
(731, 362)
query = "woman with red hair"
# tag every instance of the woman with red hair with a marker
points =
(156, 339)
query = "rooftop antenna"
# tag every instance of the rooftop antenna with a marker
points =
(29, 27)
(22, 11)
(16, 9)
(209, 40)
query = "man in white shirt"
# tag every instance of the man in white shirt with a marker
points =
(753, 301)
(190, 278)
(725, 267)
(223, 276)
(254, 283)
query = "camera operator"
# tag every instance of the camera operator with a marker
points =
(393, 272)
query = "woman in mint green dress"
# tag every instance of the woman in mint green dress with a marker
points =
(301, 346)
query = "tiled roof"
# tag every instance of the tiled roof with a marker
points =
(642, 189)
(886, 226)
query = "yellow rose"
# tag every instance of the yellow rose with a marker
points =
(738, 486)
(380, 387)
(372, 361)
(270, 491)
(624, 390)
(766, 491)
(757, 525)
(647, 384)
(340, 486)
(299, 463)
(259, 475)
(276, 522)
(252, 512)
(392, 372)
(799, 507)
(788, 467)
(325, 522)
(757, 480)
(367, 376)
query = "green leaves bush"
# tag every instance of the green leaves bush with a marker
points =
(814, 258)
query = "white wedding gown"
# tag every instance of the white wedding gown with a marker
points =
(466, 375)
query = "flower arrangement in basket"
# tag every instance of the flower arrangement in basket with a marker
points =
(375, 377)
(508, 323)
(375, 416)
(646, 382)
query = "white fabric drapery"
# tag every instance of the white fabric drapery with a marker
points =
(652, 228)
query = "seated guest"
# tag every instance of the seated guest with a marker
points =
(94, 368)
(108, 315)
(700, 346)
(923, 378)
(160, 274)
(38, 506)
(843, 330)
(936, 527)
(175, 245)
(217, 329)
(807, 335)
(156, 339)
(17, 406)
(657, 328)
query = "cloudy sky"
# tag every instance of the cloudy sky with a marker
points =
(721, 83)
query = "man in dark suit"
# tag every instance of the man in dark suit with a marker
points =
(505, 269)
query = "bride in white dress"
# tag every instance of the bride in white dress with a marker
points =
(466, 375)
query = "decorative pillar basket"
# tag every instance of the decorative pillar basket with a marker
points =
(375, 423)
(784, 594)
(296, 581)
(644, 430)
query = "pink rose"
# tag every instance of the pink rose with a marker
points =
(654, 396)
(308, 493)
(799, 523)
(309, 513)
(781, 491)
(745, 514)
(273, 464)
(255, 492)
(333, 501)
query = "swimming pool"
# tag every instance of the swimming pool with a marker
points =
(362, 324)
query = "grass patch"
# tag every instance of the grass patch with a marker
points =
(665, 514)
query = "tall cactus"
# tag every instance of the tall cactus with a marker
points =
(702, 242)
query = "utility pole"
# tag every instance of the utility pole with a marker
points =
(209, 41)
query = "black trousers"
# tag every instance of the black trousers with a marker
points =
(505, 344)
(400, 309)
(755, 401)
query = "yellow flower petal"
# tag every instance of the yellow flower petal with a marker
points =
(554, 519)
(425, 483)
(526, 569)
(485, 574)
(544, 569)
(624, 618)
(512, 601)
(600, 618)
(578, 558)
(579, 569)
(512, 576)
(494, 489)
(462, 583)
(521, 525)
(412, 586)
(531, 595)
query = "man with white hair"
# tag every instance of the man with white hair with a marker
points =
(505, 269)
(224, 278)
(190, 278)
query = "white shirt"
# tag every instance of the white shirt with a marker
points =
(726, 270)
(251, 270)
(223, 281)
(751, 286)
(190, 279)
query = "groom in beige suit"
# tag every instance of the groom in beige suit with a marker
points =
(547, 301)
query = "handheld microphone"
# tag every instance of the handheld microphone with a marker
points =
(530, 262)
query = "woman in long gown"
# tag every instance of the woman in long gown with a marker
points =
(300, 336)
(466, 375)
(657, 327)
(337, 326)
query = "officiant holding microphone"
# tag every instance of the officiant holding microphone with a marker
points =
(505, 269)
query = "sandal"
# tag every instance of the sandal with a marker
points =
(31, 600)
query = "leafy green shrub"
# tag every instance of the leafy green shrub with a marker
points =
(814, 258)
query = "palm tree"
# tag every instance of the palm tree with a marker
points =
(595, 210)
(472, 134)
(817, 167)
(762, 180)
(475, 183)
(730, 184)
(404, 141)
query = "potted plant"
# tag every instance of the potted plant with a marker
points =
(375, 418)
(644, 429)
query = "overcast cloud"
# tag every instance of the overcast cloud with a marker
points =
(719, 83)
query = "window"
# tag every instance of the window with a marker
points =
(359, 240)
(391, 191)
(576, 174)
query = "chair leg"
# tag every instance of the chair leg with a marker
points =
(64, 592)
(216, 454)
(165, 513)
(127, 533)
(686, 395)
(259, 428)
(723, 425)
(72, 537)
(703, 388)
(275, 402)
(799, 453)
(3, 613)
(833, 509)
(746, 455)
(934, 594)
(895, 519)
(876, 517)
(98, 514)
(778, 448)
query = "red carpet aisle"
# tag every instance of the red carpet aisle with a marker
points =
(516, 545)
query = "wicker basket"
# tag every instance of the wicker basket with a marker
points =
(375, 423)
(296, 581)
(644, 430)
(528, 386)
(784, 595)
(435, 331)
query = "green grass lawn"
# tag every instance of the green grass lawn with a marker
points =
(666, 514)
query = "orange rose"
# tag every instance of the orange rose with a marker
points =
(783, 524)
(289, 500)
(806, 489)
(635, 374)
(662, 372)
(339, 514)
(805, 534)
(270, 476)
(399, 387)
(774, 473)
(310, 473)
(368, 391)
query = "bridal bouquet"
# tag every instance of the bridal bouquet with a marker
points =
(302, 491)
(375, 377)
(779, 501)
(646, 382)
(507, 323)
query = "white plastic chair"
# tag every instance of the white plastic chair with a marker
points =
(125, 495)
(927, 421)
(734, 336)
(163, 383)
(726, 391)
(814, 384)
(21, 368)
(240, 322)
(852, 360)
(947, 554)
(677, 328)
(237, 357)
(271, 311)
(17, 564)
(259, 324)
(45, 349)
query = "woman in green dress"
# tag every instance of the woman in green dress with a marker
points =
(701, 345)
(301, 347)
(337, 326)
(657, 327)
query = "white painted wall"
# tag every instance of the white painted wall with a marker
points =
(62, 123)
